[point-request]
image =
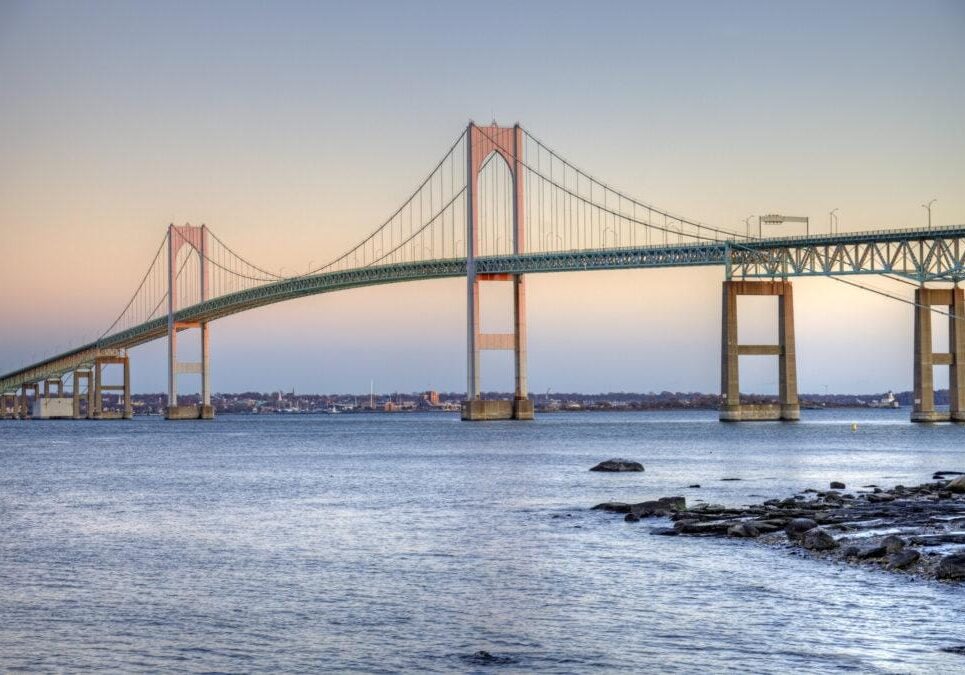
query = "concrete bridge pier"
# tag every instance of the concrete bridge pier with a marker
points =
(731, 408)
(8, 405)
(52, 404)
(98, 412)
(88, 378)
(26, 407)
(923, 409)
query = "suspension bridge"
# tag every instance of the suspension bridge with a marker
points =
(500, 205)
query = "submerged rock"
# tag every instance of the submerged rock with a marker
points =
(952, 567)
(893, 543)
(903, 558)
(818, 540)
(743, 530)
(837, 485)
(618, 465)
(797, 527)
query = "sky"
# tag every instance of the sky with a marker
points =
(293, 129)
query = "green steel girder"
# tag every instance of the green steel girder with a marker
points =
(920, 255)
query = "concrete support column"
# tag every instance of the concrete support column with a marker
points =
(8, 405)
(731, 408)
(730, 404)
(87, 378)
(956, 345)
(925, 359)
(128, 411)
(97, 411)
(787, 361)
(205, 366)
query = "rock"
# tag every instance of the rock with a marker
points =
(957, 485)
(695, 485)
(651, 508)
(837, 485)
(818, 540)
(957, 649)
(613, 507)
(482, 657)
(893, 543)
(743, 530)
(797, 527)
(877, 498)
(730, 478)
(712, 527)
(872, 552)
(903, 558)
(951, 567)
(850, 552)
(632, 518)
(950, 473)
(764, 527)
(664, 531)
(939, 539)
(676, 503)
(618, 465)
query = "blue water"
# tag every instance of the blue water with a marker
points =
(409, 542)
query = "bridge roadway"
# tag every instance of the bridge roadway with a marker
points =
(920, 255)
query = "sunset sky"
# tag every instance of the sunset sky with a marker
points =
(292, 129)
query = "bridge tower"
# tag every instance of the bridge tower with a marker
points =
(197, 238)
(507, 142)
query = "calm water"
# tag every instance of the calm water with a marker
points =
(385, 543)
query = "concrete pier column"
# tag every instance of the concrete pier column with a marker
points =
(956, 345)
(787, 360)
(96, 412)
(87, 377)
(731, 408)
(128, 410)
(97, 408)
(8, 405)
(730, 404)
(925, 359)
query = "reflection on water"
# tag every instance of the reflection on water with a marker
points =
(421, 543)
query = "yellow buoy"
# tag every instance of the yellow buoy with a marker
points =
(854, 426)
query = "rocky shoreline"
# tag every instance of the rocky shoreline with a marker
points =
(919, 531)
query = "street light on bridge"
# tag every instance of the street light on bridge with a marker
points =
(747, 222)
(833, 221)
(928, 208)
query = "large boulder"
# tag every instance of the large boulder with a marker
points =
(956, 485)
(837, 485)
(818, 540)
(618, 465)
(903, 558)
(747, 530)
(952, 567)
(798, 526)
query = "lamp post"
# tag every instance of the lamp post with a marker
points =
(747, 222)
(927, 207)
(832, 221)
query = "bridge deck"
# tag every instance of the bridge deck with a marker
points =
(919, 254)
